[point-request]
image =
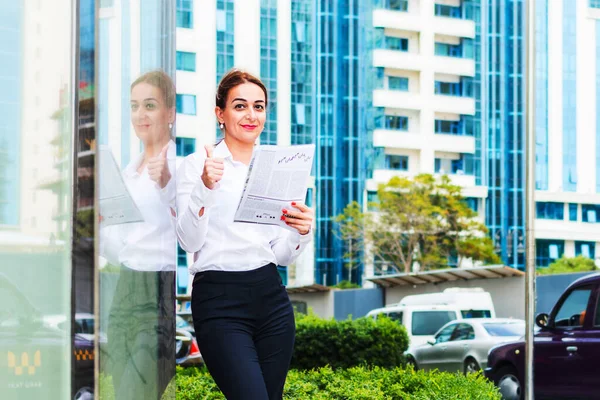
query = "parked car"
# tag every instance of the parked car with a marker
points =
(181, 323)
(463, 345)
(187, 352)
(424, 314)
(566, 349)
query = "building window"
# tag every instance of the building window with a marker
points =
(448, 88)
(396, 43)
(185, 14)
(372, 201)
(589, 213)
(449, 127)
(547, 210)
(472, 203)
(572, 212)
(185, 146)
(186, 61)
(396, 5)
(186, 104)
(397, 123)
(547, 251)
(586, 249)
(398, 83)
(448, 50)
(443, 10)
(397, 163)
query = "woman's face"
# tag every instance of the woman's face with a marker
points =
(245, 114)
(150, 115)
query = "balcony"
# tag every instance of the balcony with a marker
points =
(453, 104)
(399, 99)
(566, 230)
(415, 141)
(453, 143)
(398, 139)
(399, 60)
(454, 21)
(393, 19)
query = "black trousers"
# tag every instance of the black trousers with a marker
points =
(245, 328)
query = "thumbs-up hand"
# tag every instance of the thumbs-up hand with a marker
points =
(158, 168)
(213, 169)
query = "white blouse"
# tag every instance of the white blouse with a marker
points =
(218, 242)
(148, 245)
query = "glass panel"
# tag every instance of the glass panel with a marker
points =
(463, 332)
(572, 310)
(36, 218)
(428, 322)
(137, 246)
(508, 329)
(444, 335)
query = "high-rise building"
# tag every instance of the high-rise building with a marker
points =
(567, 129)
(427, 95)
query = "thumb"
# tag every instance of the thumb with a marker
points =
(209, 150)
(163, 152)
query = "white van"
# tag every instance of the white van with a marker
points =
(424, 314)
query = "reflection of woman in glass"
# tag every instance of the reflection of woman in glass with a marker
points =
(243, 318)
(139, 354)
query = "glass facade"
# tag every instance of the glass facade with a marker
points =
(37, 214)
(136, 238)
(225, 37)
(340, 133)
(505, 126)
(541, 94)
(302, 34)
(569, 96)
(268, 66)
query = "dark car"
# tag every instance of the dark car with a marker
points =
(566, 349)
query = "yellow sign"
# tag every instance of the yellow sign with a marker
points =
(25, 364)
(84, 354)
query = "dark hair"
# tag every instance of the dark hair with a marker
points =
(233, 78)
(160, 80)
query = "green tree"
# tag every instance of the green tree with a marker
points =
(422, 220)
(565, 265)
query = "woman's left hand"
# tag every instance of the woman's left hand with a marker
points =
(158, 168)
(300, 220)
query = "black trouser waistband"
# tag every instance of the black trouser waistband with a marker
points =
(245, 277)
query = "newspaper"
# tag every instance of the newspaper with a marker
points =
(116, 204)
(277, 176)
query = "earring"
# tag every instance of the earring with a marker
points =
(170, 126)
(221, 125)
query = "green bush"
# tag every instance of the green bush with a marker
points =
(348, 343)
(566, 265)
(358, 383)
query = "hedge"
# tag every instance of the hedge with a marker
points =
(357, 383)
(348, 343)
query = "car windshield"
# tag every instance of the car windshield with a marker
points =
(505, 329)
(428, 322)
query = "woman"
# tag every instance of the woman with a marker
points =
(139, 353)
(243, 318)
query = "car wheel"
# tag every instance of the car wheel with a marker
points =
(471, 366)
(411, 361)
(509, 384)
